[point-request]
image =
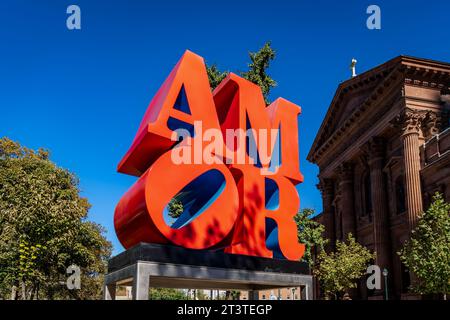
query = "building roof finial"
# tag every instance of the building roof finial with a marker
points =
(353, 67)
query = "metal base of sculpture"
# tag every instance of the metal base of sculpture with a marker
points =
(151, 265)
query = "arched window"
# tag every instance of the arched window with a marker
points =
(367, 195)
(400, 195)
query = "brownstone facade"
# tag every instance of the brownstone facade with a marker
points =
(383, 150)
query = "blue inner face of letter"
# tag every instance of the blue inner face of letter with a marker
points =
(196, 197)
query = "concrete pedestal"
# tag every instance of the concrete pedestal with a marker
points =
(154, 265)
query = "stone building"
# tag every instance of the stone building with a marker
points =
(383, 150)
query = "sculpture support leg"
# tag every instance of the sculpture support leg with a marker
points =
(109, 291)
(141, 283)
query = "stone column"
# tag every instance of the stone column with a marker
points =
(326, 187)
(347, 200)
(411, 121)
(380, 209)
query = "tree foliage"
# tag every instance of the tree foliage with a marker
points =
(339, 271)
(232, 295)
(427, 253)
(310, 234)
(166, 294)
(43, 229)
(175, 208)
(257, 69)
(215, 76)
(256, 73)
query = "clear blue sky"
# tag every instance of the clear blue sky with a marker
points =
(82, 94)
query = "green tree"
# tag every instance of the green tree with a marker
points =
(310, 234)
(232, 295)
(235, 294)
(427, 253)
(200, 295)
(175, 208)
(215, 76)
(166, 294)
(256, 73)
(339, 271)
(43, 229)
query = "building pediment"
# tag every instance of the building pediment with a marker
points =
(355, 95)
(350, 101)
